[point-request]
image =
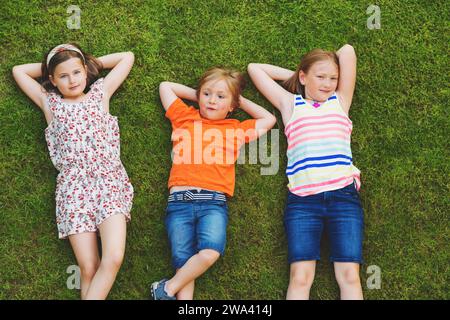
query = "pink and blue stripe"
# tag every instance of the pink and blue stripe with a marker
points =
(319, 152)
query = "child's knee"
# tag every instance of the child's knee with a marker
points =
(209, 256)
(302, 278)
(348, 277)
(113, 259)
(89, 269)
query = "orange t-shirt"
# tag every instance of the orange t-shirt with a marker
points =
(205, 151)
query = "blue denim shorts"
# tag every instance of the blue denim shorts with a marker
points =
(195, 224)
(338, 212)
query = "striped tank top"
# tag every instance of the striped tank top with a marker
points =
(319, 153)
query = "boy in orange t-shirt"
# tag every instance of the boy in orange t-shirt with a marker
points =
(205, 148)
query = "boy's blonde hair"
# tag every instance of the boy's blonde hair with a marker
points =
(293, 84)
(234, 79)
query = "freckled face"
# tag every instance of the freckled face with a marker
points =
(321, 80)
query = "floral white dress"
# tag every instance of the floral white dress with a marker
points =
(84, 145)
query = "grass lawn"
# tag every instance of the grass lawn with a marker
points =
(399, 140)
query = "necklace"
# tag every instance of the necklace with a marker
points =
(315, 103)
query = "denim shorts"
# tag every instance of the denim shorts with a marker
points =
(195, 224)
(338, 212)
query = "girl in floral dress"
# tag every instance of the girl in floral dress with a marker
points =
(93, 192)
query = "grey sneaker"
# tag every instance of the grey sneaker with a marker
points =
(157, 291)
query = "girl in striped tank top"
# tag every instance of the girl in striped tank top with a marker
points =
(314, 102)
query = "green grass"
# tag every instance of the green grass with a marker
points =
(400, 140)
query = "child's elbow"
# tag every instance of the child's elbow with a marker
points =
(251, 67)
(348, 46)
(349, 49)
(272, 120)
(130, 55)
(127, 56)
(16, 71)
(253, 70)
(164, 86)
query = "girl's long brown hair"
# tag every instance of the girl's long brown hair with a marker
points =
(293, 84)
(93, 65)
